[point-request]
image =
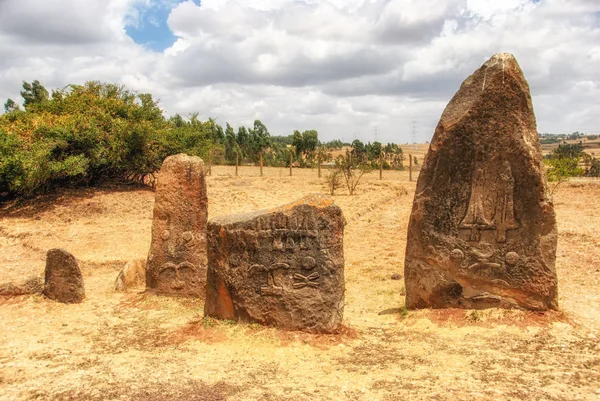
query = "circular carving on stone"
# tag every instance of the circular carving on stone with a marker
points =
(457, 256)
(235, 260)
(512, 258)
(187, 236)
(308, 262)
(165, 235)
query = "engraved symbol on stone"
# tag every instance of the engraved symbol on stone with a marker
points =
(289, 243)
(485, 268)
(512, 258)
(277, 244)
(457, 256)
(177, 270)
(165, 235)
(308, 262)
(271, 288)
(187, 236)
(235, 260)
(475, 218)
(499, 204)
(505, 213)
(306, 281)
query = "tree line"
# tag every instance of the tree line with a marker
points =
(85, 134)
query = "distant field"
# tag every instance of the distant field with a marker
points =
(591, 147)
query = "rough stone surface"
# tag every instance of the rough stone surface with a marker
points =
(282, 267)
(482, 232)
(31, 285)
(177, 261)
(132, 275)
(63, 281)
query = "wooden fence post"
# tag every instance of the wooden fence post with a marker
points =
(319, 163)
(261, 163)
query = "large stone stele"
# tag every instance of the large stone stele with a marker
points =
(63, 281)
(282, 267)
(176, 263)
(482, 232)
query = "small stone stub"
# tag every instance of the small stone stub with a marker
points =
(31, 285)
(132, 275)
(63, 281)
(282, 267)
(482, 232)
(176, 264)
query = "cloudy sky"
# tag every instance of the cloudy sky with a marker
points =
(348, 68)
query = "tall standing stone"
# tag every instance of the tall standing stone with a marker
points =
(63, 281)
(176, 263)
(482, 232)
(282, 267)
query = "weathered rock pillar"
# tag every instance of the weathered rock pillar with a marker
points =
(482, 232)
(176, 263)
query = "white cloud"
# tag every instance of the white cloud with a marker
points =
(340, 66)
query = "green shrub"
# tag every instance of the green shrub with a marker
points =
(87, 133)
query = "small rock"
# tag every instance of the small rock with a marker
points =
(63, 280)
(132, 275)
(396, 276)
(32, 285)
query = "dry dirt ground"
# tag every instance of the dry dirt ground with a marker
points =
(134, 346)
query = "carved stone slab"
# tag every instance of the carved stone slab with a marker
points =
(282, 267)
(176, 263)
(63, 281)
(482, 232)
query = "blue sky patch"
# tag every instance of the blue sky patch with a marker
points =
(151, 29)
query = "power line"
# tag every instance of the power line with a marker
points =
(414, 134)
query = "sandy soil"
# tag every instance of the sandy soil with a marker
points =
(138, 347)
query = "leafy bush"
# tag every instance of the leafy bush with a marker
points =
(333, 181)
(594, 170)
(87, 133)
(563, 163)
(352, 168)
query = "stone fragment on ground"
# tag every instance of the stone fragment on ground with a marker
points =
(282, 267)
(63, 281)
(31, 285)
(482, 232)
(177, 261)
(132, 275)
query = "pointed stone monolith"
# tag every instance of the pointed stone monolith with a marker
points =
(482, 232)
